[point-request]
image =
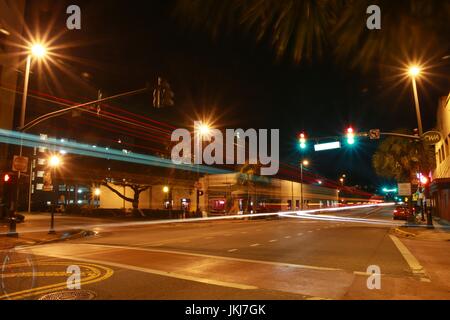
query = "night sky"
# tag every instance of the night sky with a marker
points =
(233, 80)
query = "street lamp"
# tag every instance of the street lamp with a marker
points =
(97, 193)
(303, 163)
(37, 51)
(54, 162)
(202, 131)
(414, 72)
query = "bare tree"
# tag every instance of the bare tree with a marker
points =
(137, 189)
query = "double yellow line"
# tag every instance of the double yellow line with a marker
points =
(96, 273)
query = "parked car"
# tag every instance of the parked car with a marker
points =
(402, 213)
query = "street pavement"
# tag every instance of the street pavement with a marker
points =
(288, 257)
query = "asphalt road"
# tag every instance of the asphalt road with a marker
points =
(284, 258)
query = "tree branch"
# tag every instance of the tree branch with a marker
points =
(117, 192)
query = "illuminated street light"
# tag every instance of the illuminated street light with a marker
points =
(97, 192)
(165, 189)
(54, 161)
(303, 163)
(38, 50)
(414, 71)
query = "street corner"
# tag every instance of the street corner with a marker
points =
(423, 233)
(403, 232)
(28, 278)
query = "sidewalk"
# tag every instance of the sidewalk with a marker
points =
(36, 227)
(440, 232)
(430, 247)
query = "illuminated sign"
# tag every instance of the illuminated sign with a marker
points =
(327, 146)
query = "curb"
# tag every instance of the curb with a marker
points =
(404, 233)
(68, 235)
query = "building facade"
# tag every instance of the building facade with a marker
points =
(440, 188)
(10, 27)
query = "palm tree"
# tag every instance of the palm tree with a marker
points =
(305, 29)
(401, 158)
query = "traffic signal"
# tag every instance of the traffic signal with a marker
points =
(167, 95)
(9, 181)
(350, 136)
(423, 180)
(302, 141)
(157, 97)
(163, 95)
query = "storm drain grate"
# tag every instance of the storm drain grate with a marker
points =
(69, 295)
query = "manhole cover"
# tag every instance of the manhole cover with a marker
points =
(70, 295)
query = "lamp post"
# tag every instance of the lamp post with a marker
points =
(54, 162)
(97, 193)
(37, 51)
(201, 130)
(414, 72)
(302, 164)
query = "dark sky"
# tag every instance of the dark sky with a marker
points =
(123, 44)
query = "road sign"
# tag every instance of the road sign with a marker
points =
(327, 146)
(374, 134)
(404, 189)
(432, 137)
(20, 164)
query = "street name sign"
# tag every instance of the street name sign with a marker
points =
(327, 146)
(404, 189)
(432, 137)
(20, 164)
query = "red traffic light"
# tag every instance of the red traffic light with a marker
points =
(302, 140)
(423, 180)
(6, 178)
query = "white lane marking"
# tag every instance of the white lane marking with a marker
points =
(309, 231)
(273, 240)
(318, 229)
(413, 263)
(232, 250)
(287, 237)
(254, 245)
(299, 234)
(160, 273)
(283, 264)
(244, 232)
